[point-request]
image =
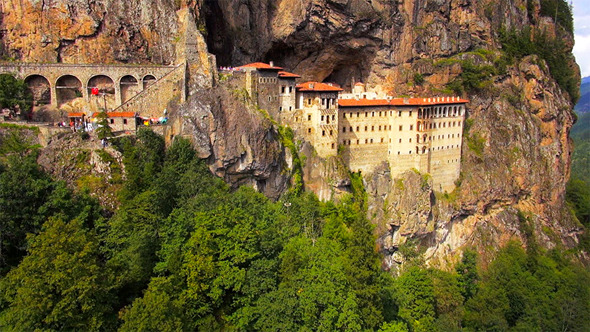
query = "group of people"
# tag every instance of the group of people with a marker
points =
(77, 124)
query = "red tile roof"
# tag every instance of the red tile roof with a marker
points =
(260, 65)
(321, 87)
(117, 114)
(284, 74)
(75, 115)
(401, 102)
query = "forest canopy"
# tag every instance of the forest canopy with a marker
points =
(186, 252)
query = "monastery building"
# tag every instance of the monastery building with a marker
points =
(365, 129)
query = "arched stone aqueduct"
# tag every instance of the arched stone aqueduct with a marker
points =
(56, 84)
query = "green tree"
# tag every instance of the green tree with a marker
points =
(468, 276)
(416, 299)
(61, 285)
(104, 130)
(14, 94)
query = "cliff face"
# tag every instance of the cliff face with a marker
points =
(516, 151)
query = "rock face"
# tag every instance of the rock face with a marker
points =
(240, 144)
(516, 151)
(84, 31)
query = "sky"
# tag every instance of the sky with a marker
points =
(582, 35)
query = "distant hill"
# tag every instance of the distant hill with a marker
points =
(583, 105)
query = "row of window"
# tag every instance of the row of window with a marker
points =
(267, 80)
(112, 121)
(433, 125)
(401, 127)
(286, 89)
(437, 112)
(379, 114)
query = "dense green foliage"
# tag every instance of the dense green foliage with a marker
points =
(14, 94)
(517, 44)
(184, 252)
(560, 11)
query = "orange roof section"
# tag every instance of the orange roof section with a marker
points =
(260, 65)
(319, 87)
(284, 74)
(401, 102)
(75, 115)
(116, 114)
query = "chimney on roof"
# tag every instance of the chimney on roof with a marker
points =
(272, 64)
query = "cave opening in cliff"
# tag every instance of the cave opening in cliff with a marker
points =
(219, 41)
(346, 75)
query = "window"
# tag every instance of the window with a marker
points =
(379, 113)
(280, 108)
(410, 113)
(309, 117)
(322, 118)
(372, 128)
(330, 132)
(371, 140)
(357, 128)
(411, 127)
(350, 129)
(112, 121)
(366, 141)
(400, 128)
(410, 140)
(373, 114)
(357, 114)
(357, 142)
(344, 115)
(290, 89)
(309, 130)
(124, 121)
(400, 140)
(399, 113)
(343, 129)
(323, 133)
(309, 101)
(333, 117)
(381, 139)
(282, 89)
(366, 128)
(332, 145)
(379, 128)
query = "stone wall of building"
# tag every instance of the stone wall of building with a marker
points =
(167, 93)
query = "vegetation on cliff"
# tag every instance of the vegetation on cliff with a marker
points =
(184, 252)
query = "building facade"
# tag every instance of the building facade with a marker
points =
(365, 129)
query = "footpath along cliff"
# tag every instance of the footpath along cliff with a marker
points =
(516, 150)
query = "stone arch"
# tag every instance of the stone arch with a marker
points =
(148, 80)
(68, 88)
(129, 86)
(40, 89)
(106, 87)
(424, 137)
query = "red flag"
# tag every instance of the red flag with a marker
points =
(94, 91)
